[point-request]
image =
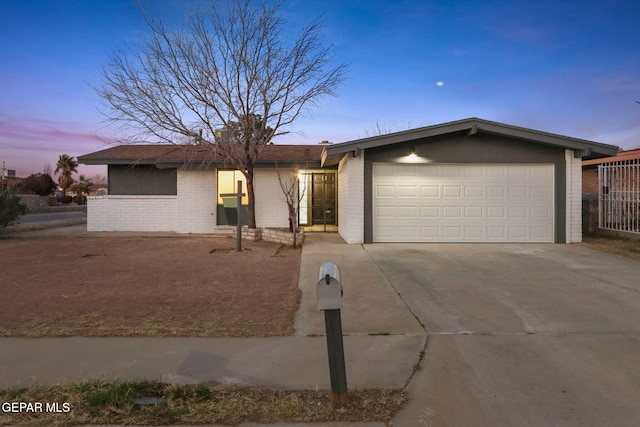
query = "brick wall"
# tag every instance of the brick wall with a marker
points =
(590, 180)
(351, 199)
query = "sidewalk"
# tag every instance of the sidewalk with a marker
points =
(382, 341)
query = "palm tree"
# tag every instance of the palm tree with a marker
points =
(66, 165)
(83, 188)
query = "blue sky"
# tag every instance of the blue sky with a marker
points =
(568, 67)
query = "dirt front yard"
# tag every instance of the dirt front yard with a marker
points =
(145, 286)
(629, 248)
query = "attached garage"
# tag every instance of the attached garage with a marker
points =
(466, 181)
(463, 203)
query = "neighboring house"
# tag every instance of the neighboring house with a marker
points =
(611, 187)
(466, 181)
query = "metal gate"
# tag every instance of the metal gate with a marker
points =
(619, 196)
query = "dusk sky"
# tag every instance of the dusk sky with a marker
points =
(567, 67)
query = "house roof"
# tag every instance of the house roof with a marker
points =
(199, 156)
(621, 156)
(472, 126)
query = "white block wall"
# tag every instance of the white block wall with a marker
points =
(574, 197)
(192, 210)
(131, 213)
(196, 202)
(351, 199)
(271, 207)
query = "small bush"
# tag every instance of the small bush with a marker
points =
(10, 207)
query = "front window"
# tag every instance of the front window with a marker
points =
(227, 213)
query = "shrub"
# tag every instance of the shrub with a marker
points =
(40, 184)
(10, 207)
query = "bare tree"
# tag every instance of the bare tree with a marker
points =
(293, 195)
(228, 71)
(380, 129)
(377, 130)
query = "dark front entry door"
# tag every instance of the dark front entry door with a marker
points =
(323, 198)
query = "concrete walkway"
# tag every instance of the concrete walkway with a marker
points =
(383, 341)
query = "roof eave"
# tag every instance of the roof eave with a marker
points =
(114, 161)
(589, 149)
(193, 164)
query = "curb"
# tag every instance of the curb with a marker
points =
(17, 228)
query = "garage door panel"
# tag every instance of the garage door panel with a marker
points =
(495, 171)
(408, 191)
(385, 211)
(451, 191)
(430, 212)
(432, 172)
(541, 213)
(385, 191)
(471, 171)
(540, 233)
(385, 232)
(451, 212)
(408, 232)
(540, 193)
(429, 233)
(496, 233)
(517, 172)
(474, 212)
(473, 232)
(517, 192)
(458, 203)
(496, 212)
(451, 232)
(429, 191)
(407, 211)
(495, 192)
(452, 171)
(517, 232)
(473, 191)
(385, 169)
(517, 212)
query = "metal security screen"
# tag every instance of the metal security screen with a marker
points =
(619, 196)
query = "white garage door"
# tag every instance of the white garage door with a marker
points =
(463, 203)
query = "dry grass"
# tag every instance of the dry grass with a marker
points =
(113, 403)
(146, 286)
(629, 248)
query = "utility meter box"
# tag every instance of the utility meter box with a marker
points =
(329, 287)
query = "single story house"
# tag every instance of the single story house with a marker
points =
(465, 181)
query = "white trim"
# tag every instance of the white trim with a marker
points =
(351, 199)
(573, 198)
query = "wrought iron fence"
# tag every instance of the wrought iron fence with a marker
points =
(619, 196)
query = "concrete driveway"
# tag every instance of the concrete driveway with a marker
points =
(523, 335)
